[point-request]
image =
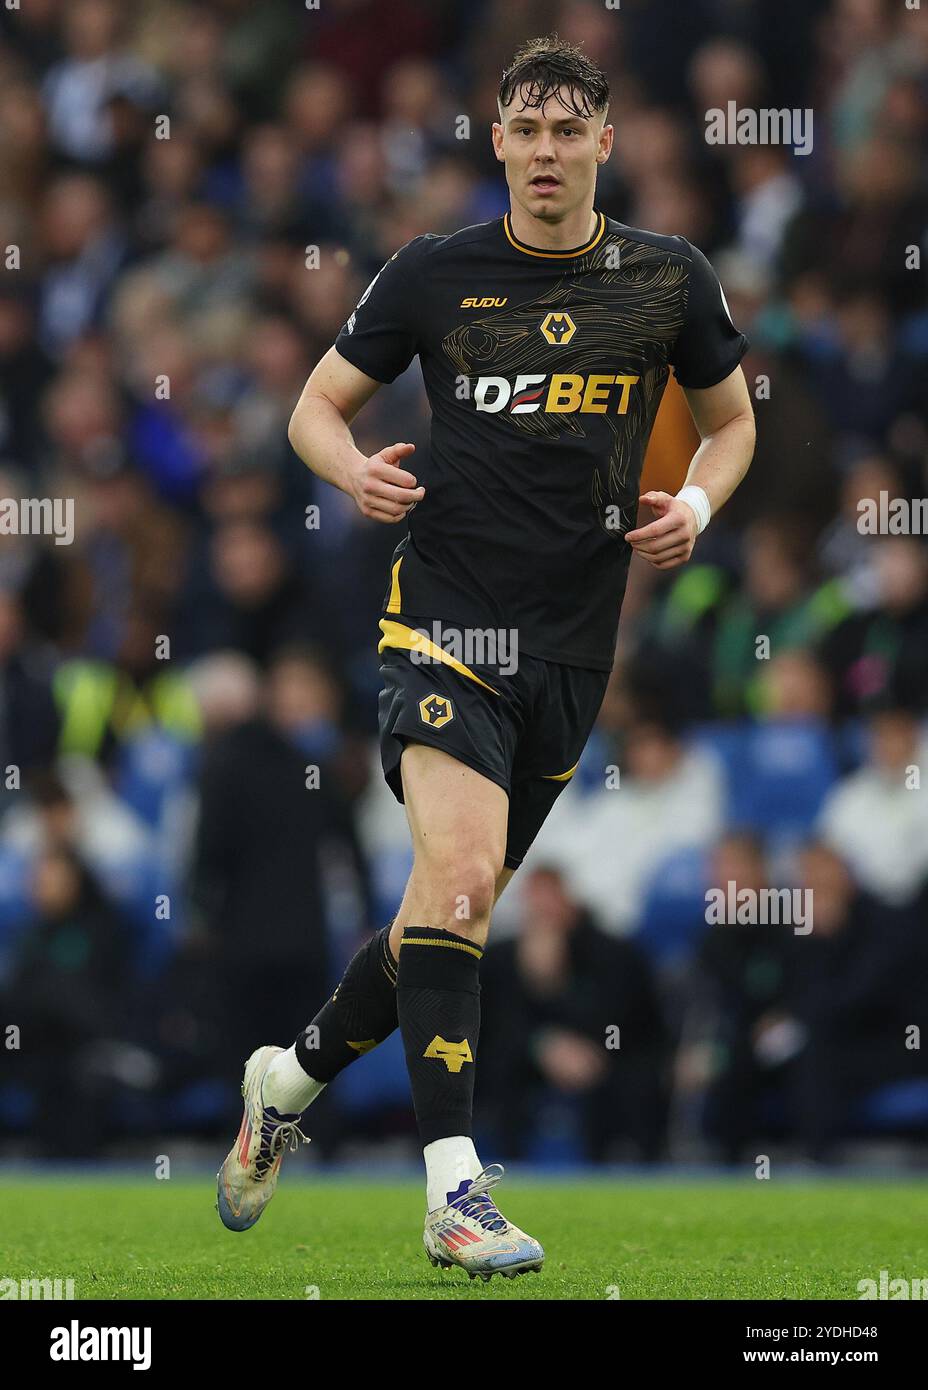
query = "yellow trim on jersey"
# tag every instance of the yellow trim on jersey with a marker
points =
(408, 639)
(563, 776)
(554, 255)
(395, 604)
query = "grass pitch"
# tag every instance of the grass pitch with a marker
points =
(341, 1239)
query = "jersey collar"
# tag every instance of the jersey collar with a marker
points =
(553, 255)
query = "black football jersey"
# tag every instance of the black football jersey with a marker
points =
(544, 371)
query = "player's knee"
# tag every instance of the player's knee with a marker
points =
(463, 889)
(474, 893)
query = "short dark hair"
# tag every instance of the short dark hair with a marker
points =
(546, 65)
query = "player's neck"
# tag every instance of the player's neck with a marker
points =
(576, 229)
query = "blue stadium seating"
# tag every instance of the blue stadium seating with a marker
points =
(777, 773)
(673, 916)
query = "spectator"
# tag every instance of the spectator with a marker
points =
(71, 990)
(666, 797)
(28, 720)
(879, 652)
(738, 978)
(570, 1011)
(777, 603)
(856, 986)
(84, 249)
(877, 818)
(77, 90)
(278, 873)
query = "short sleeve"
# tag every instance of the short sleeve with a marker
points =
(709, 346)
(380, 337)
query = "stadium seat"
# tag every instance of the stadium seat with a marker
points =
(152, 770)
(557, 1140)
(14, 900)
(673, 916)
(900, 1107)
(595, 756)
(778, 773)
(788, 770)
(137, 884)
(726, 741)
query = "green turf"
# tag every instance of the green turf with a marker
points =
(635, 1240)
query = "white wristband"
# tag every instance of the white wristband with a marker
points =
(696, 498)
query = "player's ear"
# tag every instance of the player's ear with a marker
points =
(605, 144)
(496, 135)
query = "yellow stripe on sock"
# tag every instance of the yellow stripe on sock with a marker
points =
(435, 941)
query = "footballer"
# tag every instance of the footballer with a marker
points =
(545, 339)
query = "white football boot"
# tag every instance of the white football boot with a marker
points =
(470, 1233)
(248, 1177)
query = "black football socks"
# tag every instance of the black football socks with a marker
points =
(359, 1015)
(438, 1004)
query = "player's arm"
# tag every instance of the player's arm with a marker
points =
(705, 358)
(379, 341)
(724, 417)
(320, 435)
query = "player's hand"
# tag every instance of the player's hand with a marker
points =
(382, 489)
(668, 540)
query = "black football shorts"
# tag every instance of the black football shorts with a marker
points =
(524, 730)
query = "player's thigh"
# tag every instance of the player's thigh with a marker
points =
(456, 815)
(458, 821)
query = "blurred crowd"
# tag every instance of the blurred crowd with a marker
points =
(194, 832)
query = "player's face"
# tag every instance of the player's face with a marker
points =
(551, 155)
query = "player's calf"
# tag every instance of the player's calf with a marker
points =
(438, 1002)
(359, 1015)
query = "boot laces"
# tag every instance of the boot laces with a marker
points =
(478, 1205)
(276, 1135)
